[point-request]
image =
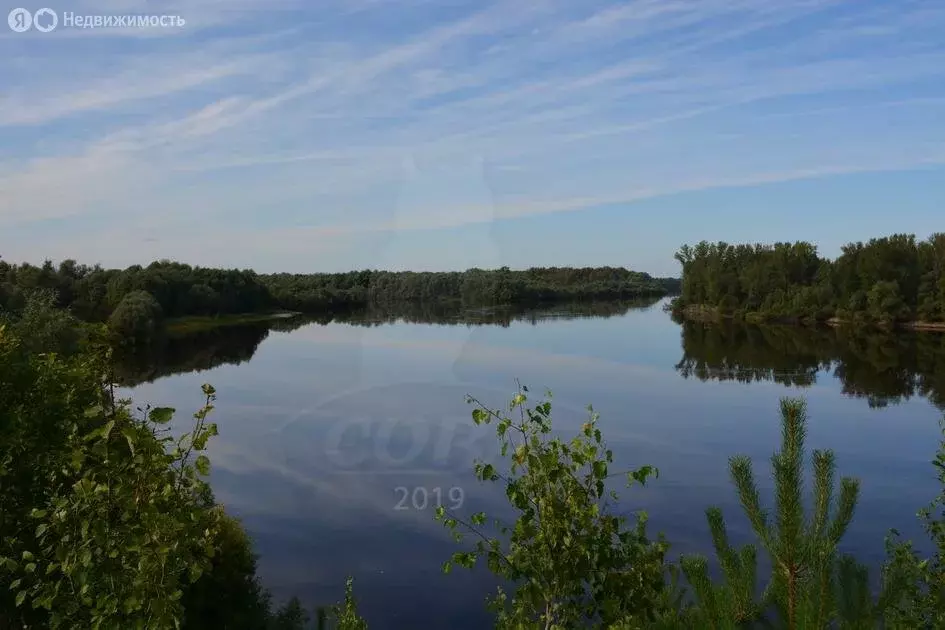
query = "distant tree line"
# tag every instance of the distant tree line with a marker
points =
(94, 294)
(886, 280)
(474, 287)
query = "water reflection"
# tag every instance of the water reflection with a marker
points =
(235, 344)
(503, 316)
(194, 352)
(335, 418)
(882, 367)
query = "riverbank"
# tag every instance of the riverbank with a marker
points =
(185, 325)
(702, 312)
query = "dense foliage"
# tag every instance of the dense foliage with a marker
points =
(478, 287)
(93, 294)
(106, 520)
(887, 280)
(41, 326)
(137, 320)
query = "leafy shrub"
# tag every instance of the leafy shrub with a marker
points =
(572, 561)
(105, 519)
(137, 320)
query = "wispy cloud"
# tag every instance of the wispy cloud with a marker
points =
(292, 118)
(27, 107)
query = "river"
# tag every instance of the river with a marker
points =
(337, 437)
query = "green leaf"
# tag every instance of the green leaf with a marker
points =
(479, 416)
(130, 438)
(202, 464)
(600, 469)
(94, 412)
(643, 473)
(161, 415)
(194, 571)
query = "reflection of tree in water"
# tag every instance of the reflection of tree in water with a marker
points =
(747, 353)
(883, 367)
(235, 344)
(193, 352)
(457, 315)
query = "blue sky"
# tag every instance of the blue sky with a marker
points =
(306, 135)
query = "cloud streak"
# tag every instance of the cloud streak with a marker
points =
(283, 119)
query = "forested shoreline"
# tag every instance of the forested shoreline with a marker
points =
(93, 294)
(894, 281)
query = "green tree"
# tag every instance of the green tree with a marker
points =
(885, 303)
(572, 561)
(228, 594)
(885, 280)
(137, 319)
(342, 616)
(43, 327)
(40, 396)
(811, 585)
(104, 513)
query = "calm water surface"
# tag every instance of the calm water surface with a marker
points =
(325, 428)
